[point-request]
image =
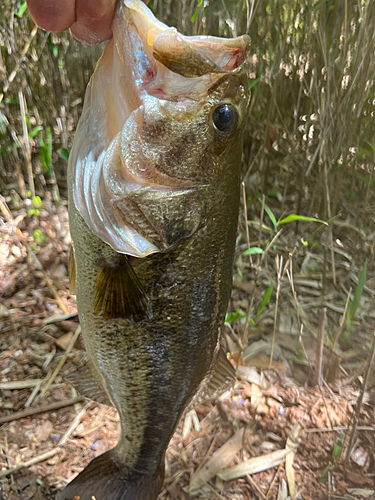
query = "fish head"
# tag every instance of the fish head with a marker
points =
(163, 120)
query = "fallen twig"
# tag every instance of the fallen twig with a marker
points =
(60, 365)
(74, 424)
(20, 384)
(338, 429)
(32, 461)
(61, 317)
(41, 409)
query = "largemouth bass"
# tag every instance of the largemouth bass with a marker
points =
(153, 207)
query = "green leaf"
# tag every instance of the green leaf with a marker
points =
(33, 211)
(197, 10)
(330, 338)
(46, 152)
(49, 143)
(273, 193)
(324, 476)
(363, 153)
(233, 316)
(20, 12)
(371, 146)
(266, 298)
(270, 215)
(53, 46)
(253, 83)
(36, 201)
(345, 337)
(35, 131)
(358, 292)
(304, 242)
(12, 101)
(64, 154)
(300, 357)
(337, 449)
(293, 218)
(253, 251)
(38, 236)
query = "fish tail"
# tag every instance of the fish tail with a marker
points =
(105, 479)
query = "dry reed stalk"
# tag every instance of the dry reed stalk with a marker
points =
(370, 363)
(318, 374)
(61, 364)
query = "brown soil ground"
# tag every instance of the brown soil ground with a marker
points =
(32, 346)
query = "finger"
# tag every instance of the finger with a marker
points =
(93, 20)
(52, 15)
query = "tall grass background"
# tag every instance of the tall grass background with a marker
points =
(309, 138)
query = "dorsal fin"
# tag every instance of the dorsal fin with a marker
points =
(120, 294)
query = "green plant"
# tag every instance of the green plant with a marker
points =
(63, 154)
(265, 300)
(21, 10)
(337, 449)
(290, 218)
(354, 304)
(232, 317)
(38, 236)
(37, 202)
(46, 152)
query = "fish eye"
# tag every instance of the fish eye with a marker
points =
(225, 118)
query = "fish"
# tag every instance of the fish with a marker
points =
(154, 188)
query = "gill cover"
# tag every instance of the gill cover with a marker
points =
(145, 66)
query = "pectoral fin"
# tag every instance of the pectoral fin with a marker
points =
(84, 380)
(119, 293)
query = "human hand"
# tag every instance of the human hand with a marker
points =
(88, 20)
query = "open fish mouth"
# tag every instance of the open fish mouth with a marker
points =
(163, 58)
(146, 69)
